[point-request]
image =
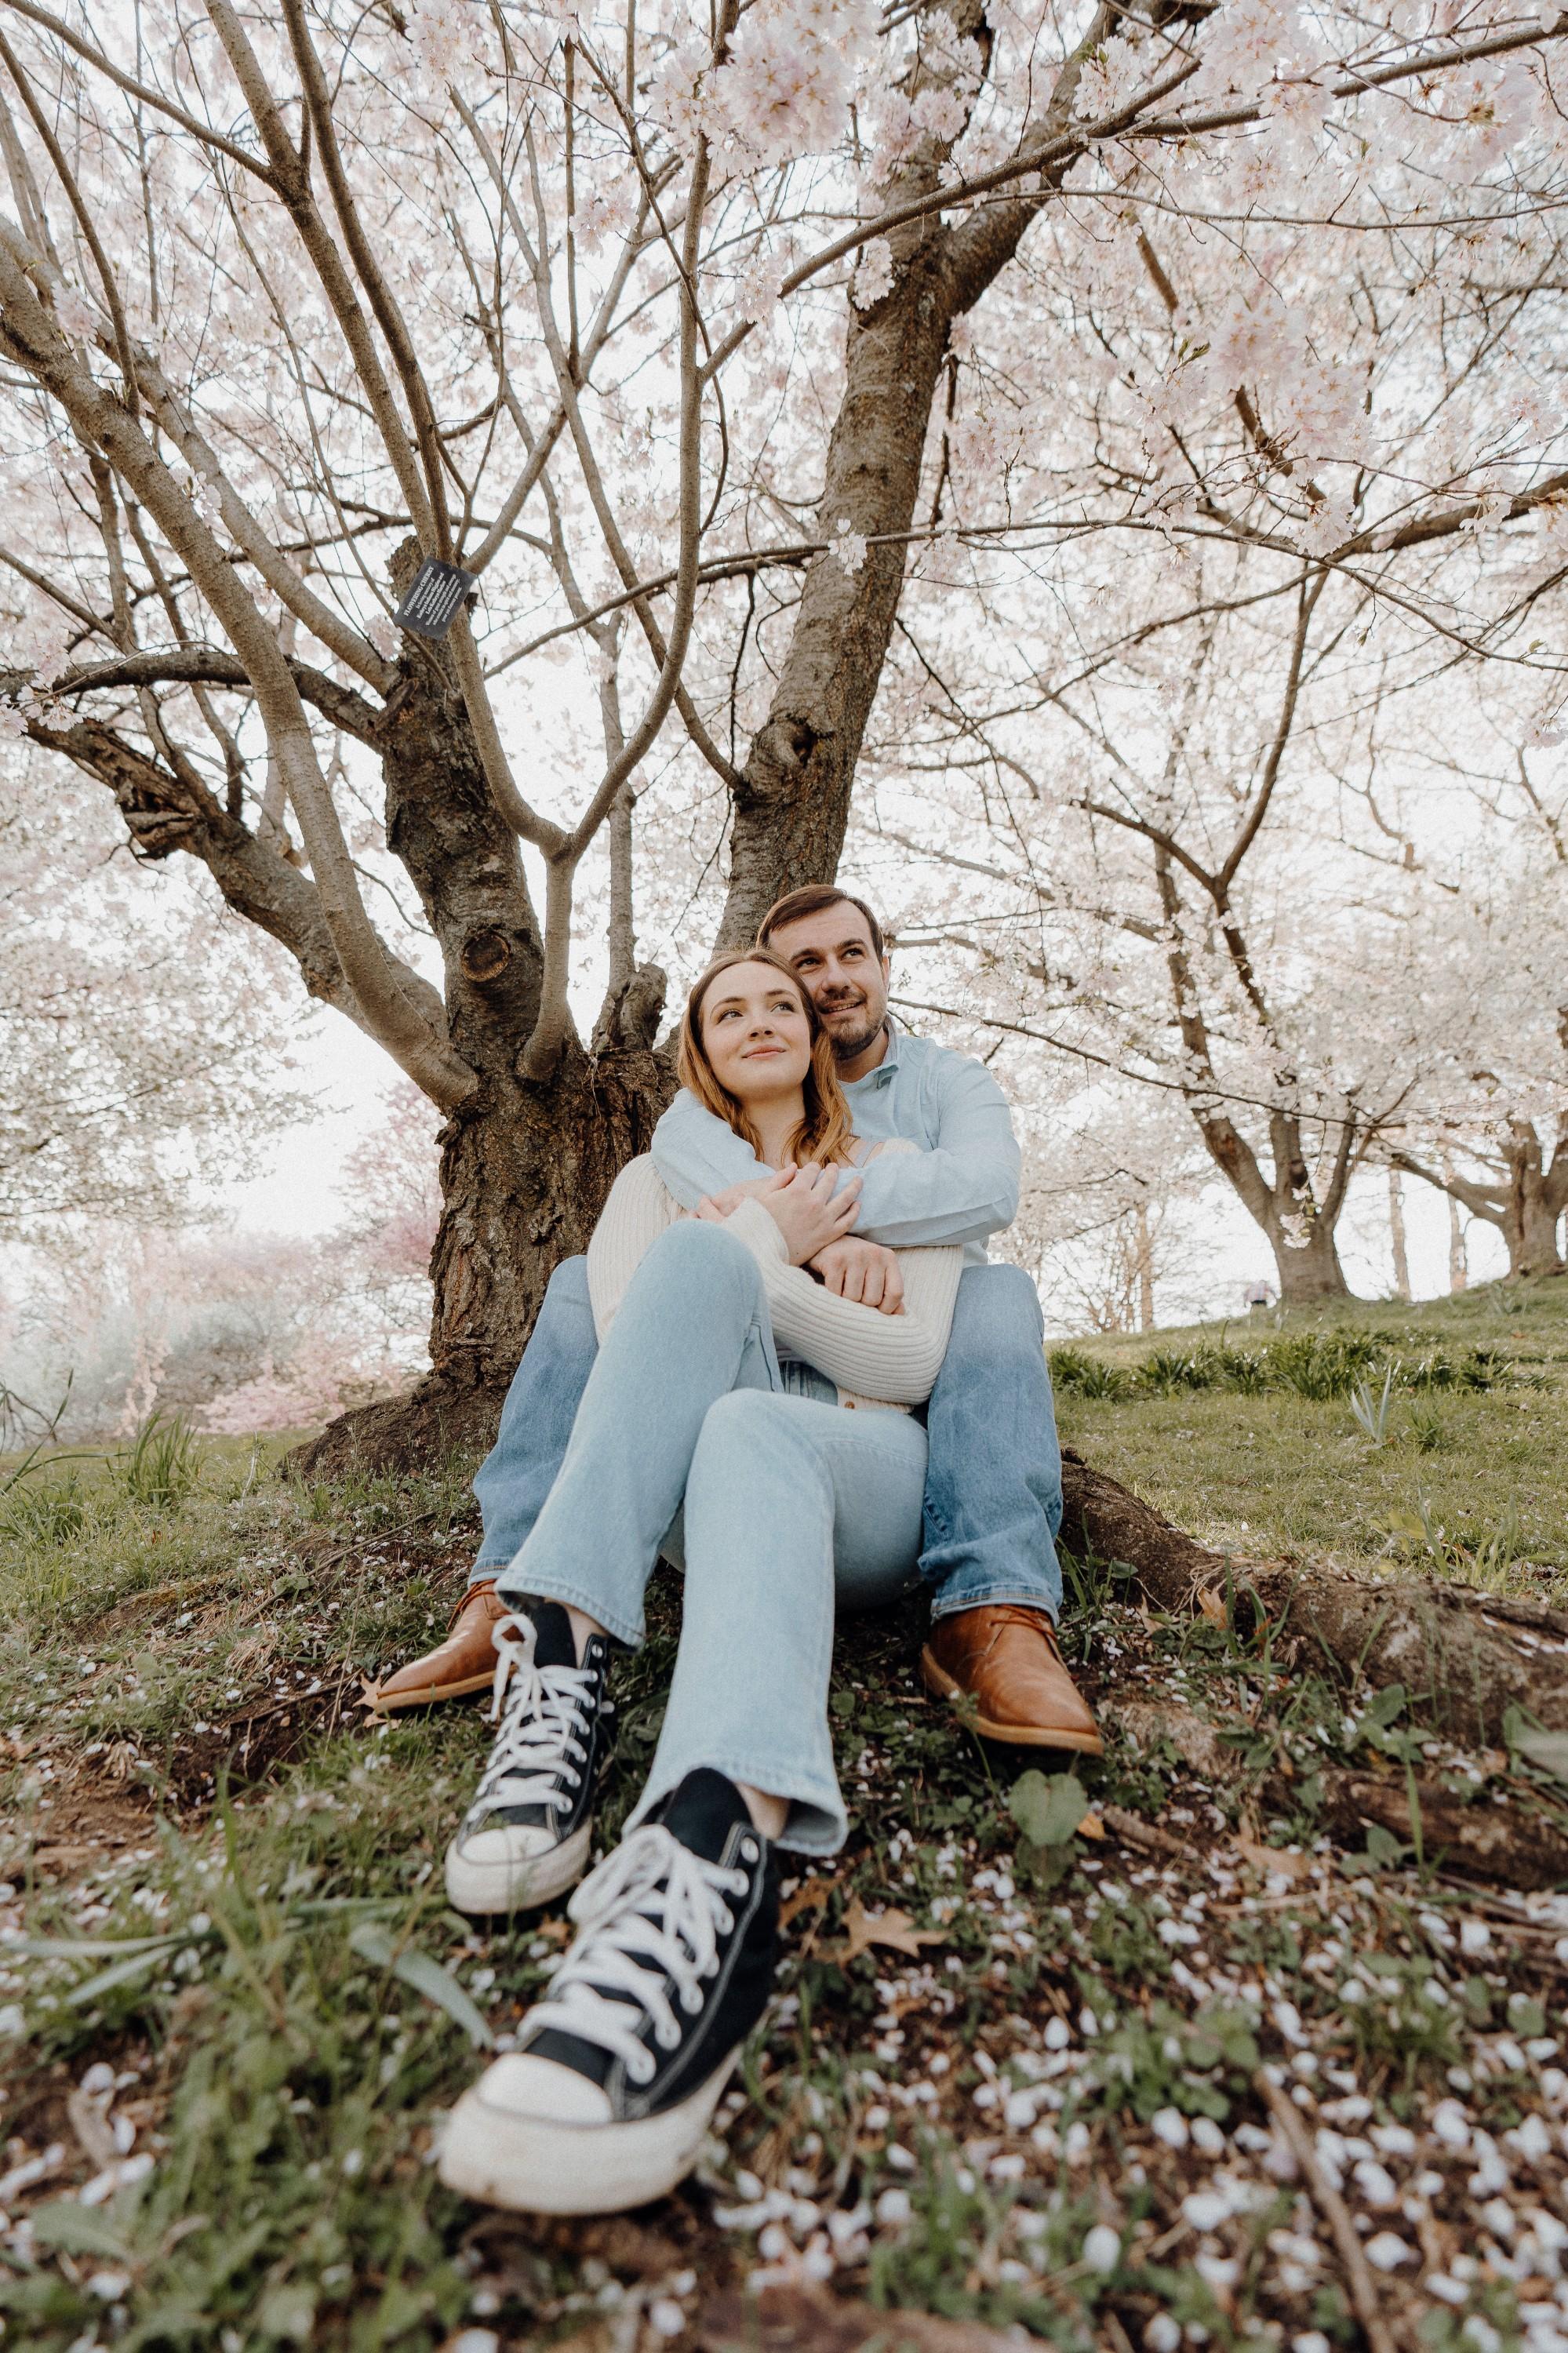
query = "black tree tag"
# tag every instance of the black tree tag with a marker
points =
(434, 595)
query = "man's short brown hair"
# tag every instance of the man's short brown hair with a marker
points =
(795, 905)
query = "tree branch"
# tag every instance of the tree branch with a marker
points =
(206, 666)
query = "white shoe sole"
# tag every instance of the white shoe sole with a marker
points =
(534, 2165)
(516, 1884)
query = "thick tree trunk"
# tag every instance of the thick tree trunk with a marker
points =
(1525, 1202)
(1532, 1209)
(1310, 1271)
(1531, 1238)
(1300, 1229)
(525, 1165)
(791, 802)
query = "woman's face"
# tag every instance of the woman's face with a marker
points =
(756, 1033)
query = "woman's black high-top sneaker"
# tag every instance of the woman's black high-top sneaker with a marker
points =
(526, 1837)
(608, 2101)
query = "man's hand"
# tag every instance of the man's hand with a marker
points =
(724, 1204)
(862, 1271)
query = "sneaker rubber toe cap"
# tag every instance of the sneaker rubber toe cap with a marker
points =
(528, 2089)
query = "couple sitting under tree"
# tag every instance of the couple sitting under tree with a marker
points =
(786, 1365)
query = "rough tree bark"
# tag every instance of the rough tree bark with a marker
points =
(525, 1167)
(791, 802)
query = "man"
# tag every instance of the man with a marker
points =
(993, 1489)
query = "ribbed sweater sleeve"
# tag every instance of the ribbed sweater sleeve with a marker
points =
(893, 1358)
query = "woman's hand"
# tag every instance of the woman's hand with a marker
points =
(866, 1272)
(808, 1211)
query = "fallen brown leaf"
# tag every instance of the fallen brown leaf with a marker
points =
(897, 1930)
(811, 1897)
(1211, 1601)
(1272, 1857)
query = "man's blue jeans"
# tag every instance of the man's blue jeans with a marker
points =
(993, 1479)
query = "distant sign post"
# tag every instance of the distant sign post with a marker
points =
(434, 595)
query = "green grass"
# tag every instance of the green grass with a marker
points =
(222, 1931)
(1469, 1483)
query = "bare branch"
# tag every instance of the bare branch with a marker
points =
(289, 178)
(104, 65)
(207, 666)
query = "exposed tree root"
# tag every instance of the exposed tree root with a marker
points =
(1507, 1845)
(437, 1419)
(789, 2319)
(1465, 1657)
(1502, 1844)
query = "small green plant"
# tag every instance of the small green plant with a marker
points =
(47, 1514)
(1075, 1373)
(1482, 1556)
(1428, 1430)
(1166, 1372)
(1373, 1418)
(1322, 1366)
(163, 1464)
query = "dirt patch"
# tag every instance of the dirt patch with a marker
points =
(89, 1817)
(88, 1823)
(256, 1739)
(792, 2320)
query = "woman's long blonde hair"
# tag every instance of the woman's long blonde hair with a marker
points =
(827, 1132)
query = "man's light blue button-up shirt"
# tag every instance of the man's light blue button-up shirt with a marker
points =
(961, 1186)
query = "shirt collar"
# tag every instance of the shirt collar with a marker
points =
(883, 1074)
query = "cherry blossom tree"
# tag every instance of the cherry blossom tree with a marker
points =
(1493, 1130)
(143, 1051)
(241, 1332)
(717, 351)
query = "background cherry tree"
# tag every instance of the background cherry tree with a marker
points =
(145, 1042)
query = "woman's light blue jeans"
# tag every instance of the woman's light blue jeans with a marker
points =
(788, 1504)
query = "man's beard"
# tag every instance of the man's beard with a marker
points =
(847, 1045)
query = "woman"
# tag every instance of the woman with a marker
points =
(733, 1393)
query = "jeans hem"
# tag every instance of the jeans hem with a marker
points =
(1028, 1597)
(576, 1597)
(767, 1777)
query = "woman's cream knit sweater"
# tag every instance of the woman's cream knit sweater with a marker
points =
(871, 1359)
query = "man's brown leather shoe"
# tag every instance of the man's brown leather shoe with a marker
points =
(1006, 1658)
(464, 1664)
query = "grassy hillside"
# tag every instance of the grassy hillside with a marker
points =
(1026, 2068)
(1467, 1482)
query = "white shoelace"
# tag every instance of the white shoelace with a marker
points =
(651, 1915)
(542, 1717)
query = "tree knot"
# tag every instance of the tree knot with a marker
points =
(484, 955)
